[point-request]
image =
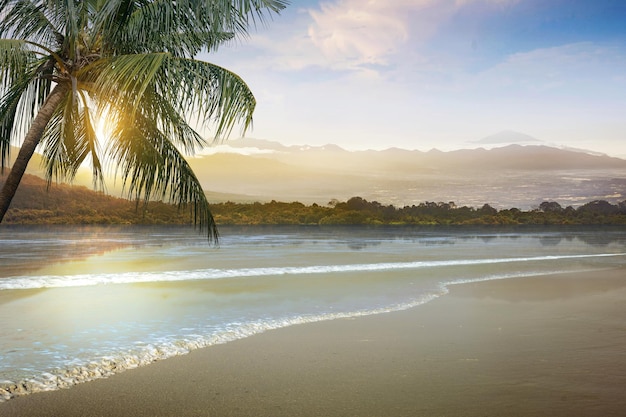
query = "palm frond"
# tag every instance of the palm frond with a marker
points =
(13, 63)
(70, 138)
(72, 29)
(172, 123)
(235, 16)
(87, 139)
(163, 26)
(217, 96)
(23, 93)
(152, 167)
(125, 77)
(220, 97)
(53, 145)
(181, 28)
(15, 58)
(59, 141)
(27, 20)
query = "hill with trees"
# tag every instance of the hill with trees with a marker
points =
(34, 203)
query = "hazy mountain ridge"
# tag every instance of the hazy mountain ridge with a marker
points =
(507, 176)
(512, 175)
(509, 156)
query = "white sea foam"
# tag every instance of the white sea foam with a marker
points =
(110, 365)
(79, 280)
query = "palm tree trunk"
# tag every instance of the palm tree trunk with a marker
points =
(28, 147)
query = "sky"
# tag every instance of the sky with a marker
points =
(444, 74)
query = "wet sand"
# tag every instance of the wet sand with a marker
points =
(539, 346)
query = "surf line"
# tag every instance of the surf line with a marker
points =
(83, 280)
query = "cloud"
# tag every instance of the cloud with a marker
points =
(351, 34)
(363, 38)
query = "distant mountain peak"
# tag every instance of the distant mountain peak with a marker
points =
(329, 147)
(507, 137)
(261, 144)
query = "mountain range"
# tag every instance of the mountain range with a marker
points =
(507, 176)
(249, 170)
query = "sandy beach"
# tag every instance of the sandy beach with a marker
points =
(541, 346)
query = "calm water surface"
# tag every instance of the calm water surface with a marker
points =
(82, 303)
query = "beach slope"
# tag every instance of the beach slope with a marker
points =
(550, 345)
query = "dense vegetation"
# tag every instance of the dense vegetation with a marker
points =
(359, 211)
(65, 204)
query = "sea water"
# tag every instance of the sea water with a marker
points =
(80, 303)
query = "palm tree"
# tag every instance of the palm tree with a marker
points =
(66, 64)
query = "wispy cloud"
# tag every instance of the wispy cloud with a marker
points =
(351, 34)
(360, 36)
(348, 34)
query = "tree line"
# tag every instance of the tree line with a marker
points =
(63, 204)
(358, 211)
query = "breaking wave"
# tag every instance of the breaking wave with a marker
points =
(79, 280)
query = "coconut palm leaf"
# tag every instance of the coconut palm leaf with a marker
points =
(23, 92)
(88, 147)
(151, 166)
(171, 122)
(14, 60)
(26, 20)
(198, 87)
(69, 140)
(155, 26)
(146, 25)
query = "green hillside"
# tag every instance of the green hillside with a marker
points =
(34, 203)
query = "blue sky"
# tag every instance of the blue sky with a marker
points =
(423, 74)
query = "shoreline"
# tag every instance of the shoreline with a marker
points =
(547, 345)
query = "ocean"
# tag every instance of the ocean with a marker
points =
(81, 303)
